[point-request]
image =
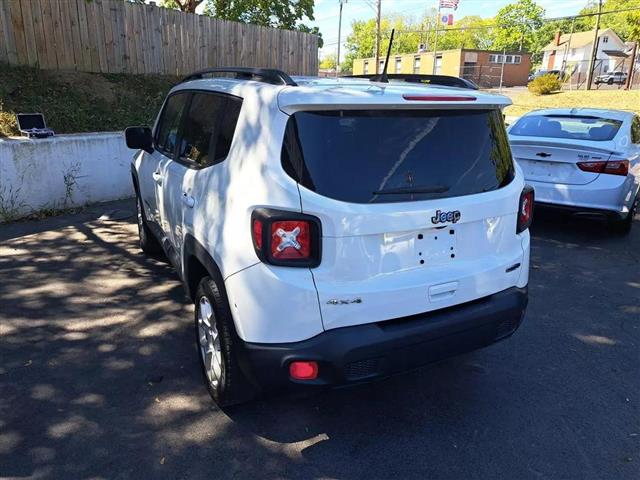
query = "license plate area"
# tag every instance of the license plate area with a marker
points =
(423, 248)
(435, 246)
(545, 171)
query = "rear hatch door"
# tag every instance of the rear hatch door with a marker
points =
(418, 208)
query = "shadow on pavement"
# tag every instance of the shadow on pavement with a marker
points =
(99, 376)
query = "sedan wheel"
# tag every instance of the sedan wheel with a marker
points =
(209, 343)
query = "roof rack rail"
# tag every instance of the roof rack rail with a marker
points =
(444, 80)
(267, 75)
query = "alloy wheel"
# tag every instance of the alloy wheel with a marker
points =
(209, 343)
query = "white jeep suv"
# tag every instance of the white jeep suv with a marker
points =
(334, 231)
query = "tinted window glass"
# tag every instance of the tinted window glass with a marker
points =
(397, 156)
(167, 131)
(573, 127)
(228, 122)
(208, 128)
(635, 130)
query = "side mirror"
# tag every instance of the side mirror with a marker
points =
(139, 138)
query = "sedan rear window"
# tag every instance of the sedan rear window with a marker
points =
(569, 126)
(381, 156)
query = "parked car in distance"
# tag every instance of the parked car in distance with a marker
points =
(584, 160)
(611, 78)
(333, 231)
(540, 73)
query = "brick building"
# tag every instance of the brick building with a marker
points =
(481, 66)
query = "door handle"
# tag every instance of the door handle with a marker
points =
(157, 177)
(188, 200)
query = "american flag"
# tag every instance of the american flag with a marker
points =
(449, 4)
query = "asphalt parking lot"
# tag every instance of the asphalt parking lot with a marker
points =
(99, 375)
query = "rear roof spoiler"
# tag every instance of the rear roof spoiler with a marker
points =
(444, 80)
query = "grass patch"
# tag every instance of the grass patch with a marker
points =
(610, 99)
(74, 102)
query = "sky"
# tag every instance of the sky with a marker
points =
(326, 13)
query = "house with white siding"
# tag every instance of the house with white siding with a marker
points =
(571, 52)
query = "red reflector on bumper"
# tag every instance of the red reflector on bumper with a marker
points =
(303, 370)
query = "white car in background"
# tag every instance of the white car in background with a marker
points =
(586, 160)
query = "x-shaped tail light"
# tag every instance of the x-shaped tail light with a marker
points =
(288, 239)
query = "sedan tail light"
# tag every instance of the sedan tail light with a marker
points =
(286, 238)
(525, 209)
(612, 167)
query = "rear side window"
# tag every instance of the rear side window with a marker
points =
(208, 128)
(382, 156)
(635, 130)
(169, 123)
(569, 126)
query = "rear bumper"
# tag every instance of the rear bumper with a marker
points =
(366, 352)
(607, 194)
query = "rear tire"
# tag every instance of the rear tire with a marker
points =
(148, 242)
(610, 81)
(218, 343)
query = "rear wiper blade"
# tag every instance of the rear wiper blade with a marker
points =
(400, 190)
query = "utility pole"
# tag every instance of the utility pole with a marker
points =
(342, 2)
(594, 49)
(435, 40)
(378, 7)
(632, 68)
(504, 57)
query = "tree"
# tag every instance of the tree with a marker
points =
(328, 62)
(625, 24)
(361, 43)
(268, 13)
(478, 36)
(518, 24)
(182, 5)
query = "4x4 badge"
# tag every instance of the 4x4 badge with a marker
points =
(444, 217)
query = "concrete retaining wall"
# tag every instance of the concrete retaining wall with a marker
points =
(61, 172)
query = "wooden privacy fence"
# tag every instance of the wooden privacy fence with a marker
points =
(114, 36)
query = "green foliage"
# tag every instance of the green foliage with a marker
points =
(328, 62)
(268, 13)
(518, 24)
(80, 102)
(361, 43)
(545, 85)
(625, 24)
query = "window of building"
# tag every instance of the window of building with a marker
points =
(573, 52)
(416, 65)
(381, 66)
(366, 68)
(509, 59)
(438, 64)
(517, 59)
(208, 129)
(398, 64)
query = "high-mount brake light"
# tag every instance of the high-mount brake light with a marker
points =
(286, 238)
(525, 209)
(611, 167)
(439, 98)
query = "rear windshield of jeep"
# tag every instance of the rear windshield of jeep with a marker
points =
(381, 156)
